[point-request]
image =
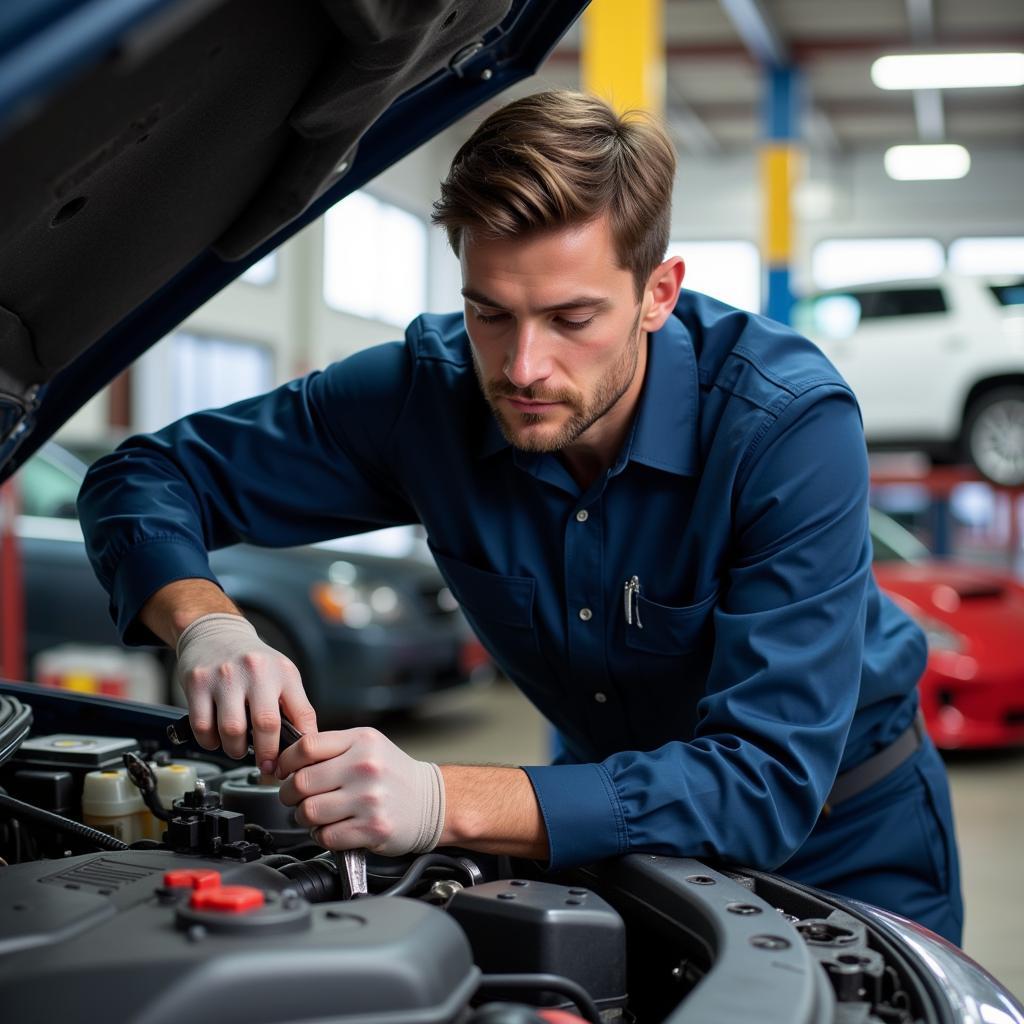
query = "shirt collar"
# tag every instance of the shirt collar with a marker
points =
(668, 415)
(664, 432)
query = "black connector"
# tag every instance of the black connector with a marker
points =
(198, 824)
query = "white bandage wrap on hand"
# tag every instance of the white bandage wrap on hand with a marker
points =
(215, 638)
(432, 807)
(355, 788)
(409, 792)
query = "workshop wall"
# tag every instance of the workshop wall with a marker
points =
(715, 198)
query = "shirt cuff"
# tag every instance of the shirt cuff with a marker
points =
(581, 812)
(141, 572)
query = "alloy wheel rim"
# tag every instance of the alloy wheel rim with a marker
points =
(997, 441)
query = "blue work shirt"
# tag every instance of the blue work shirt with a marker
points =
(758, 657)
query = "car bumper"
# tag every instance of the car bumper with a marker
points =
(973, 713)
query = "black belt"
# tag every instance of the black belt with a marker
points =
(864, 775)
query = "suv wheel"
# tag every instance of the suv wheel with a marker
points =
(993, 438)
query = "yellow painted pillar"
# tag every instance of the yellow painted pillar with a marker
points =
(781, 163)
(623, 55)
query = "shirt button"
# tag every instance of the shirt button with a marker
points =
(586, 614)
(582, 516)
(600, 697)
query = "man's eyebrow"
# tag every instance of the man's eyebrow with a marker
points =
(578, 302)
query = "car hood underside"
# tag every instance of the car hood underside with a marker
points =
(201, 136)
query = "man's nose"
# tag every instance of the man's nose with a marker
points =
(527, 363)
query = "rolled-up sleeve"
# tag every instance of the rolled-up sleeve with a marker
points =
(784, 673)
(303, 463)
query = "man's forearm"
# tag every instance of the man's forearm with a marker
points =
(170, 610)
(493, 810)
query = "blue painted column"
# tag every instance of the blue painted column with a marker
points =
(780, 158)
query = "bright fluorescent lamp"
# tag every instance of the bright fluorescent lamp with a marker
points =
(927, 163)
(948, 70)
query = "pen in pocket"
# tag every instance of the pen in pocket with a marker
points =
(631, 601)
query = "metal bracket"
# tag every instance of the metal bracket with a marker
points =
(461, 61)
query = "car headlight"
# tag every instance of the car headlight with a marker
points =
(344, 598)
(940, 637)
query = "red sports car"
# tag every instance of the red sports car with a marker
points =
(972, 691)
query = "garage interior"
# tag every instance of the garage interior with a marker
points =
(785, 203)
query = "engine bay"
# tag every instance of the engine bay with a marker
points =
(144, 881)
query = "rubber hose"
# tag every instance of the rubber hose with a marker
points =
(22, 810)
(278, 860)
(419, 867)
(15, 722)
(546, 983)
(315, 880)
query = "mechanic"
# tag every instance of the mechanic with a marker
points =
(652, 508)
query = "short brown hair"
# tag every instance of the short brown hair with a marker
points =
(555, 159)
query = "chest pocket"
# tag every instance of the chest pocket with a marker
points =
(500, 608)
(672, 630)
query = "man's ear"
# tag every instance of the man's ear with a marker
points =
(661, 293)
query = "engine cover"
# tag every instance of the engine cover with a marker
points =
(131, 936)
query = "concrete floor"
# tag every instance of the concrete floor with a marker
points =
(497, 725)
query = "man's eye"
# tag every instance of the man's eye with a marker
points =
(574, 325)
(490, 318)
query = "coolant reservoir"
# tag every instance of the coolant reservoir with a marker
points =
(112, 804)
(173, 781)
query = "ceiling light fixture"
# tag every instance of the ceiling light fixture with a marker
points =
(948, 70)
(927, 162)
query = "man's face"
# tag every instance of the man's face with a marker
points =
(555, 330)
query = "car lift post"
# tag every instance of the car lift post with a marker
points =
(940, 482)
(12, 593)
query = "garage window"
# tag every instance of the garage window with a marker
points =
(836, 262)
(190, 371)
(375, 260)
(997, 255)
(729, 270)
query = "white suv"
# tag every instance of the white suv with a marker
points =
(936, 365)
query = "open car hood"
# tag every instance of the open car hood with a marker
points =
(152, 150)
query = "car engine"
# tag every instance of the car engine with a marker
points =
(141, 884)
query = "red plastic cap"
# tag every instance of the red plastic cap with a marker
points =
(192, 878)
(229, 899)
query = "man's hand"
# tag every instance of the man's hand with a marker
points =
(225, 669)
(355, 788)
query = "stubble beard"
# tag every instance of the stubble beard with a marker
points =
(610, 388)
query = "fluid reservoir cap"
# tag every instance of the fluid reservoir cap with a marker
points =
(229, 899)
(199, 879)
